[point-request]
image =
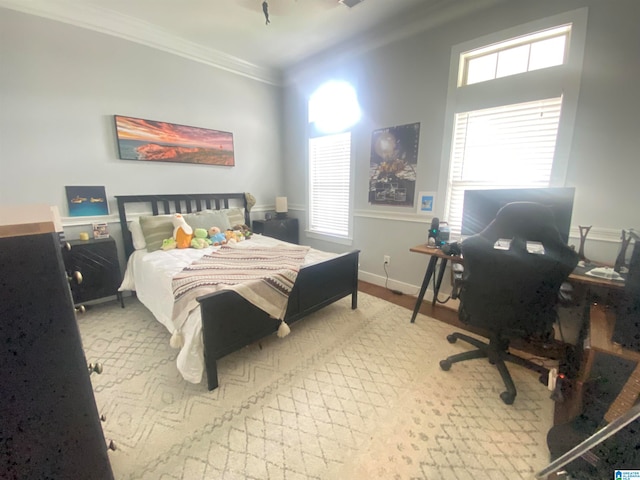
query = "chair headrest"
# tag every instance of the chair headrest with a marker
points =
(527, 221)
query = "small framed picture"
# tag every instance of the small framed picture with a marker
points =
(100, 230)
(426, 202)
(87, 201)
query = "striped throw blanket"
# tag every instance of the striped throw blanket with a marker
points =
(262, 275)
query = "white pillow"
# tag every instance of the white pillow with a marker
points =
(136, 235)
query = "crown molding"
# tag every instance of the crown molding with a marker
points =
(121, 26)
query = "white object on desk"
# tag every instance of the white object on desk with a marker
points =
(605, 272)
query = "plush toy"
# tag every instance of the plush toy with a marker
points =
(244, 230)
(200, 238)
(216, 236)
(182, 232)
(231, 236)
(168, 244)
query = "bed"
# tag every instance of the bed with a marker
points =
(223, 321)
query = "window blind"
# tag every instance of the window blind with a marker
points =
(510, 146)
(329, 184)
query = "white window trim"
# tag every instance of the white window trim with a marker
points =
(338, 239)
(493, 91)
(525, 40)
(312, 131)
(329, 238)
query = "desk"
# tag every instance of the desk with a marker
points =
(578, 275)
(601, 324)
(435, 254)
(618, 392)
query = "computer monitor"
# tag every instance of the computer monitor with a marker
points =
(481, 206)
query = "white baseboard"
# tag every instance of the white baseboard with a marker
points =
(406, 288)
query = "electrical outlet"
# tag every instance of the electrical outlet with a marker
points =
(387, 259)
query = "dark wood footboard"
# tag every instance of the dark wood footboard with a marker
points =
(229, 322)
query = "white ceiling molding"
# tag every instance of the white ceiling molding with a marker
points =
(111, 23)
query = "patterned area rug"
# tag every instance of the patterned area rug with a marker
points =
(347, 395)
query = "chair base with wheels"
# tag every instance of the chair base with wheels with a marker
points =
(496, 351)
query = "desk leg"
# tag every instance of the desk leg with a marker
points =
(425, 283)
(443, 267)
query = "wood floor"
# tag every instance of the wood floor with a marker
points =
(444, 313)
(448, 313)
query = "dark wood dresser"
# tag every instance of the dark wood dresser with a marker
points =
(50, 426)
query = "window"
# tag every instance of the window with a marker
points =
(518, 55)
(507, 114)
(329, 184)
(503, 147)
(333, 109)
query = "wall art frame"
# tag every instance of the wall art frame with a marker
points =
(393, 165)
(87, 201)
(156, 141)
(426, 202)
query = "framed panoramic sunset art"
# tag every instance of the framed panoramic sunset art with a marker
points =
(153, 141)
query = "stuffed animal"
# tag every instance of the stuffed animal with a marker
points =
(216, 236)
(200, 238)
(231, 236)
(182, 232)
(168, 244)
(244, 230)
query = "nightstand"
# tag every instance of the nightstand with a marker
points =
(285, 229)
(94, 269)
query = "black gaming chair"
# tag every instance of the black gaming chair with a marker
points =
(509, 289)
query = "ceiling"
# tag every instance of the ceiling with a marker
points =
(233, 34)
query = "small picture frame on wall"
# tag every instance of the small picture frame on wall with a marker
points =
(87, 201)
(100, 230)
(426, 202)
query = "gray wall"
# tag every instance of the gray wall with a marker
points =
(60, 86)
(406, 82)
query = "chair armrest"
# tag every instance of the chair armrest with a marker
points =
(565, 294)
(456, 271)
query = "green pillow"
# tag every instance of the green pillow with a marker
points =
(155, 229)
(235, 216)
(207, 219)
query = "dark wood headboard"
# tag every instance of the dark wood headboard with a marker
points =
(174, 203)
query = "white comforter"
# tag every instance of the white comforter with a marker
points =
(150, 275)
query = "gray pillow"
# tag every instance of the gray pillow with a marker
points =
(207, 219)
